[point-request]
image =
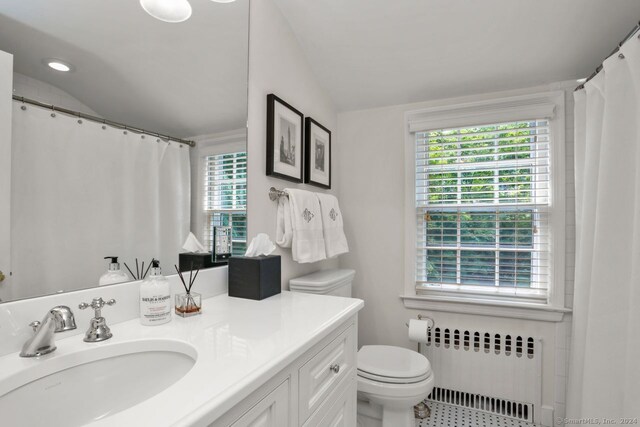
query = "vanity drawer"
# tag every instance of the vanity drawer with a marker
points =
(322, 374)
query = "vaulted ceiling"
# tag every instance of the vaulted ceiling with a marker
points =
(370, 53)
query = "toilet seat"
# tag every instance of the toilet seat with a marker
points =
(392, 365)
(392, 380)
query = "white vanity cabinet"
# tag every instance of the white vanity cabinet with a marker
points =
(317, 389)
(271, 411)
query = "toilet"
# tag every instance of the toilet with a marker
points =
(391, 380)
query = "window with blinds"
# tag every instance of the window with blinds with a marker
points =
(482, 201)
(225, 198)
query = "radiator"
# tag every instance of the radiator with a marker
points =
(496, 373)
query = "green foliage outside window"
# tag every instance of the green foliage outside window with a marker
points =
(479, 214)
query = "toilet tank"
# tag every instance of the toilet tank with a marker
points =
(335, 282)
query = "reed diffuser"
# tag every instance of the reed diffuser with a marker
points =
(189, 303)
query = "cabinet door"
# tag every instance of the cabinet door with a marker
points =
(272, 411)
(320, 376)
(341, 413)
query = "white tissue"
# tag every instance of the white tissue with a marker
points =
(193, 245)
(260, 245)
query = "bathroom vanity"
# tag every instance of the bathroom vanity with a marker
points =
(289, 360)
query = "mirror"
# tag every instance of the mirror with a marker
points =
(101, 162)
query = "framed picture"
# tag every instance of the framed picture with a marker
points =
(318, 158)
(284, 140)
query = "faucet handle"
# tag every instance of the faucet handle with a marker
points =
(98, 329)
(97, 304)
(34, 325)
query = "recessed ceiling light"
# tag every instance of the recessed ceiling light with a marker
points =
(580, 81)
(167, 10)
(223, 1)
(58, 65)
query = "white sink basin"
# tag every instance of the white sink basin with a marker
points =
(77, 388)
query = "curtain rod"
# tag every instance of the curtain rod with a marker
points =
(100, 120)
(624, 40)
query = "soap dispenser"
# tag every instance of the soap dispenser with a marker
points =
(155, 297)
(113, 274)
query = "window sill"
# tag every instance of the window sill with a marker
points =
(486, 307)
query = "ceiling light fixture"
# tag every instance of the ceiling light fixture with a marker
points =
(167, 10)
(58, 65)
(223, 1)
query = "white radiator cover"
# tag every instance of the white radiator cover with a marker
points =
(488, 371)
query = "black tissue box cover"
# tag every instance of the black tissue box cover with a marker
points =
(254, 278)
(198, 261)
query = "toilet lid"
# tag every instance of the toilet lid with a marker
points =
(384, 361)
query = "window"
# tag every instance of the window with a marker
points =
(482, 197)
(225, 198)
(489, 214)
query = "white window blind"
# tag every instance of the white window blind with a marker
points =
(225, 198)
(482, 204)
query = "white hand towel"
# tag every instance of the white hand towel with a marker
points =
(332, 225)
(284, 229)
(308, 242)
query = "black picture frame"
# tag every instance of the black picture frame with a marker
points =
(317, 170)
(285, 159)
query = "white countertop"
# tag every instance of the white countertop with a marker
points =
(240, 343)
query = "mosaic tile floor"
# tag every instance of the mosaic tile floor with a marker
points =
(443, 415)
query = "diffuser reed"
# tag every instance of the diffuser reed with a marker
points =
(189, 303)
(140, 271)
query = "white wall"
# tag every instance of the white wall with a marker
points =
(277, 65)
(6, 108)
(371, 192)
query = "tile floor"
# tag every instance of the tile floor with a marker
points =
(443, 415)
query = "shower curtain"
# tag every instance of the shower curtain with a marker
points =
(82, 191)
(604, 374)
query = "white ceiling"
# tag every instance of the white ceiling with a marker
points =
(370, 53)
(183, 79)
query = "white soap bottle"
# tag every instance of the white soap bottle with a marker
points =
(155, 297)
(113, 274)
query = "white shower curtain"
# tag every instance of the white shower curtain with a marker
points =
(604, 371)
(81, 192)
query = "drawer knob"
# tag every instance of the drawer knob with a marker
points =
(335, 368)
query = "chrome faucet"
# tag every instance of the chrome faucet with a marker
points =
(58, 319)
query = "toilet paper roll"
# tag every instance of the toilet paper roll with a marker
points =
(418, 330)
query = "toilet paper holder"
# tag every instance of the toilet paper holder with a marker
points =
(422, 317)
